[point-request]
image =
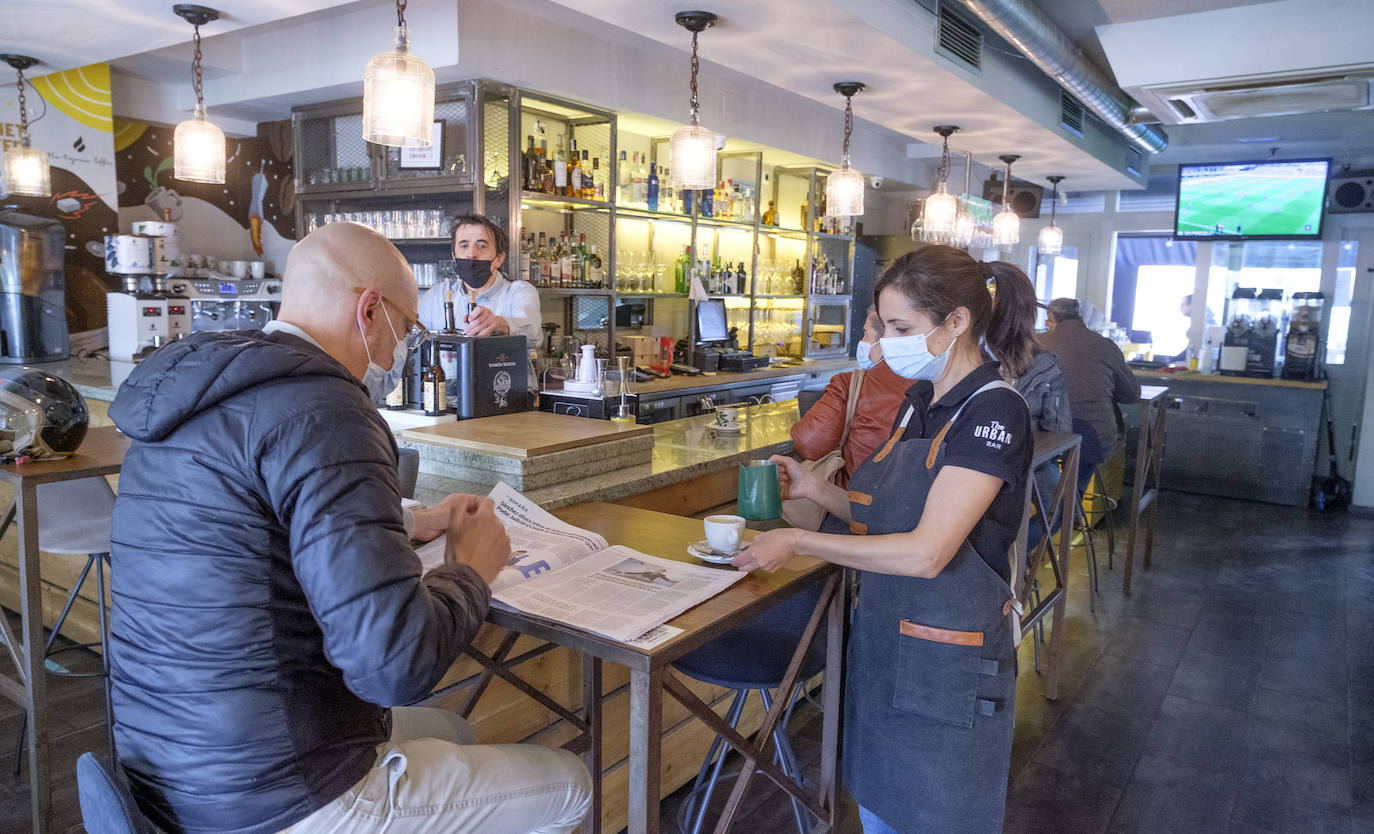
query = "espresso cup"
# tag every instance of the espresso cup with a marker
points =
(238, 269)
(727, 416)
(724, 532)
(760, 494)
(257, 269)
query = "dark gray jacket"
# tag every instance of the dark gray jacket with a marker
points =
(267, 606)
(1046, 394)
(1097, 376)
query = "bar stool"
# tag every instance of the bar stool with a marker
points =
(753, 658)
(74, 518)
(107, 805)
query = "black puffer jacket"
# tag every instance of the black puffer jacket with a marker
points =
(267, 606)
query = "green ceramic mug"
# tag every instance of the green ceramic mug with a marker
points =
(760, 497)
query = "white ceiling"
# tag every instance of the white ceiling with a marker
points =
(799, 45)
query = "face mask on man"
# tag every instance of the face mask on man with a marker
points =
(380, 381)
(910, 358)
(473, 272)
(863, 354)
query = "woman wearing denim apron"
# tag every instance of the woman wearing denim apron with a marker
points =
(931, 672)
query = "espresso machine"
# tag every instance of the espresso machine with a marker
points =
(33, 304)
(219, 302)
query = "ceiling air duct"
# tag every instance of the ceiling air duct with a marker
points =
(1029, 30)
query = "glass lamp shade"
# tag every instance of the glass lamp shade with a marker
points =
(198, 150)
(398, 98)
(941, 212)
(1006, 228)
(965, 229)
(692, 158)
(27, 173)
(844, 192)
(1051, 240)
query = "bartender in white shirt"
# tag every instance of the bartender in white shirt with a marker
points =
(503, 307)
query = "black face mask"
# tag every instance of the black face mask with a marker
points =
(472, 272)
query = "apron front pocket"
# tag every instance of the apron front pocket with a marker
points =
(938, 671)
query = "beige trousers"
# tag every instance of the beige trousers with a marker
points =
(430, 777)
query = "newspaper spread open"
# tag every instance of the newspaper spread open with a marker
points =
(573, 576)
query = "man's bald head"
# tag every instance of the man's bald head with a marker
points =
(323, 270)
(321, 294)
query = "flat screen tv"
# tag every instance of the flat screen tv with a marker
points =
(1273, 200)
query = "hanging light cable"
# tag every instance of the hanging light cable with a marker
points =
(27, 173)
(692, 149)
(398, 94)
(1052, 237)
(198, 154)
(1006, 224)
(844, 189)
(940, 214)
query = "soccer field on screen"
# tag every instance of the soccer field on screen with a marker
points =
(1249, 204)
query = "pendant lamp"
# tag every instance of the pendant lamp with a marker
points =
(27, 173)
(692, 149)
(844, 189)
(1006, 224)
(940, 214)
(198, 154)
(398, 94)
(1052, 237)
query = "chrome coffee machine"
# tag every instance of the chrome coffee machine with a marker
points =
(33, 305)
(219, 302)
(144, 316)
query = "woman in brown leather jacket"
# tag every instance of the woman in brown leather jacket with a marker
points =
(818, 431)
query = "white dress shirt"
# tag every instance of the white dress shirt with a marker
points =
(515, 301)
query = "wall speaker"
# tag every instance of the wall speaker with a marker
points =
(1351, 192)
(1025, 197)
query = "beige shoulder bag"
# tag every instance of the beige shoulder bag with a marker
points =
(804, 513)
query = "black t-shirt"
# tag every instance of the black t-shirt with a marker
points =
(992, 436)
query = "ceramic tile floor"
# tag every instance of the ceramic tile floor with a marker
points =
(1233, 691)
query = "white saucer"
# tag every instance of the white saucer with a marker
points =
(706, 553)
(728, 429)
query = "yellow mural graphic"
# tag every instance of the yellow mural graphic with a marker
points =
(82, 93)
(126, 132)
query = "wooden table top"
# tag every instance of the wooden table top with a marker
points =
(666, 536)
(101, 453)
(526, 434)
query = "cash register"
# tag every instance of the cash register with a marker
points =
(715, 351)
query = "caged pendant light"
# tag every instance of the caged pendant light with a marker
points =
(27, 173)
(844, 188)
(198, 146)
(1052, 237)
(692, 149)
(940, 213)
(398, 94)
(1006, 224)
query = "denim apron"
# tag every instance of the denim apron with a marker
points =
(930, 681)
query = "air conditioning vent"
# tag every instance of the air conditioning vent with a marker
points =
(958, 39)
(1135, 161)
(1181, 107)
(1071, 113)
(1260, 96)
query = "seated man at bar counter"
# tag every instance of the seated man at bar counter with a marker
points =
(499, 305)
(1094, 369)
(267, 606)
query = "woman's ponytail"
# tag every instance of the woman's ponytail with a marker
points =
(1011, 328)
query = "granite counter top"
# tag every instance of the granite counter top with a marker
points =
(683, 450)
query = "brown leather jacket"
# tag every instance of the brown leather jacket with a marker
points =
(819, 430)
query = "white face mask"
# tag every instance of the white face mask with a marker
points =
(909, 358)
(863, 354)
(380, 381)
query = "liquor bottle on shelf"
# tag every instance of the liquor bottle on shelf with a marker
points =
(565, 265)
(450, 323)
(707, 203)
(555, 263)
(560, 169)
(741, 280)
(598, 180)
(770, 216)
(574, 173)
(682, 273)
(596, 274)
(805, 215)
(433, 396)
(537, 256)
(820, 211)
(546, 178)
(588, 187)
(738, 202)
(577, 255)
(622, 181)
(531, 166)
(651, 189)
(639, 183)
(798, 278)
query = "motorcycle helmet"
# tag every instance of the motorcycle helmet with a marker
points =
(40, 414)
